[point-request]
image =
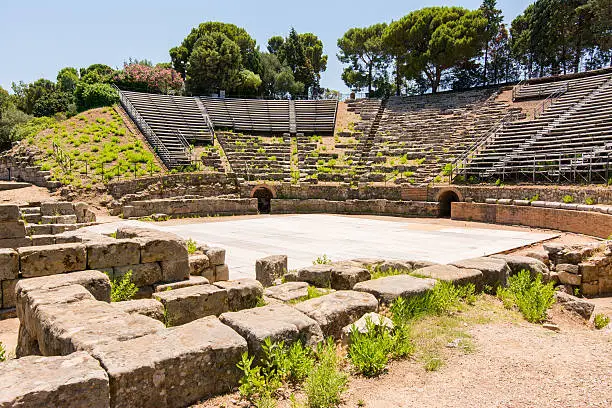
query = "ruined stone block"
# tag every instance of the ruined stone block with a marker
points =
(9, 212)
(270, 268)
(145, 274)
(52, 259)
(221, 273)
(176, 270)
(317, 275)
(9, 264)
(8, 298)
(59, 219)
(198, 264)
(39, 240)
(15, 242)
(387, 289)
(345, 276)
(495, 271)
(73, 381)
(449, 273)
(173, 368)
(57, 208)
(185, 305)
(192, 281)
(146, 307)
(12, 229)
(338, 309)
(518, 263)
(108, 254)
(241, 293)
(287, 292)
(278, 322)
(216, 255)
(97, 283)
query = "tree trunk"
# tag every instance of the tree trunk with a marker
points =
(370, 79)
(484, 78)
(398, 81)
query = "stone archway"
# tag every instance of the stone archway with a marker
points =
(264, 196)
(445, 198)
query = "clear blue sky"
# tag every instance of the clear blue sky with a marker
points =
(39, 37)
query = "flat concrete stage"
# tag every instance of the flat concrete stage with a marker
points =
(303, 238)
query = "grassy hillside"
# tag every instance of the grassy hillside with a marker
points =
(91, 147)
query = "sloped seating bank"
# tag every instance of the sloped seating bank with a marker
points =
(582, 219)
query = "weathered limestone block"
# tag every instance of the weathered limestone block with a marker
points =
(270, 268)
(518, 263)
(387, 289)
(146, 307)
(12, 229)
(145, 274)
(176, 270)
(52, 259)
(569, 268)
(241, 293)
(215, 255)
(62, 329)
(221, 273)
(96, 283)
(317, 275)
(449, 273)
(345, 276)
(540, 255)
(59, 219)
(8, 298)
(175, 367)
(287, 292)
(568, 278)
(9, 264)
(156, 246)
(574, 304)
(38, 240)
(57, 208)
(192, 281)
(83, 213)
(191, 303)
(495, 271)
(278, 322)
(73, 381)
(198, 264)
(9, 212)
(15, 242)
(361, 325)
(107, 254)
(338, 309)
(390, 264)
(27, 345)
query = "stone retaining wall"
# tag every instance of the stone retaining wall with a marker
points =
(194, 206)
(19, 164)
(378, 207)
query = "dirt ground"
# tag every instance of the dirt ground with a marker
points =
(27, 194)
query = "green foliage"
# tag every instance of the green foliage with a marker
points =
(192, 246)
(568, 199)
(12, 123)
(123, 288)
(531, 296)
(600, 321)
(312, 292)
(326, 383)
(2, 352)
(369, 351)
(322, 260)
(377, 273)
(535, 197)
(589, 201)
(95, 95)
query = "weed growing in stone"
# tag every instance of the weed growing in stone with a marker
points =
(325, 383)
(530, 296)
(369, 351)
(443, 298)
(2, 352)
(313, 292)
(568, 199)
(192, 246)
(378, 273)
(322, 260)
(600, 321)
(123, 289)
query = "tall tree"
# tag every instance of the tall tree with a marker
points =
(432, 40)
(494, 18)
(364, 51)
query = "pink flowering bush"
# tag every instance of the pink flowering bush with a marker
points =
(144, 78)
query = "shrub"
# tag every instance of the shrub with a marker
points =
(95, 95)
(531, 296)
(123, 289)
(2, 352)
(322, 260)
(443, 298)
(192, 246)
(369, 351)
(589, 201)
(326, 382)
(568, 199)
(600, 321)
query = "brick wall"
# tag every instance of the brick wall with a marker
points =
(582, 222)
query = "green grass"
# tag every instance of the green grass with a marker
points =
(326, 382)
(532, 297)
(313, 292)
(600, 321)
(377, 273)
(123, 288)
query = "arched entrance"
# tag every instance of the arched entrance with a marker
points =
(445, 198)
(264, 196)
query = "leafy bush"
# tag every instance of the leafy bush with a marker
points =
(600, 321)
(531, 296)
(322, 260)
(326, 382)
(192, 246)
(123, 289)
(95, 95)
(589, 201)
(445, 297)
(369, 351)
(568, 199)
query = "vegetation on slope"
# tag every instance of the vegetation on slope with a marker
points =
(93, 146)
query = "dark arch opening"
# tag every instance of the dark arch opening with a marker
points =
(445, 199)
(263, 196)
